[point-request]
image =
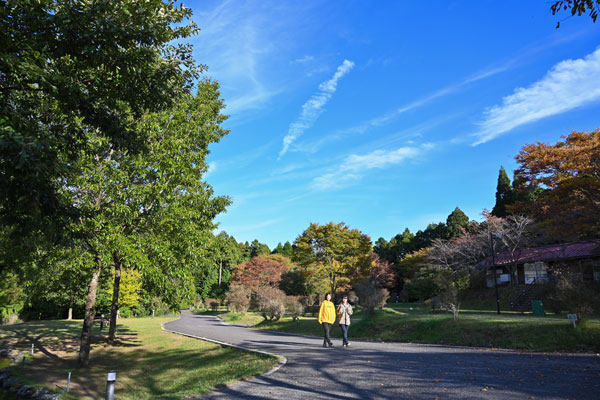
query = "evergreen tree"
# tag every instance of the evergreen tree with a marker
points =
(504, 194)
(456, 222)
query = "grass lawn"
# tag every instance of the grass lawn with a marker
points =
(150, 362)
(397, 323)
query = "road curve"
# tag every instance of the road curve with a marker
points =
(374, 370)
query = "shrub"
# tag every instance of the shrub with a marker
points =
(294, 307)
(423, 285)
(451, 284)
(238, 299)
(126, 312)
(212, 304)
(577, 297)
(270, 302)
(371, 297)
(352, 297)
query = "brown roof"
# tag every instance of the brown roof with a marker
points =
(548, 253)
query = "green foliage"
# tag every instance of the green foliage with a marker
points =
(285, 250)
(130, 289)
(258, 249)
(576, 296)
(456, 223)
(451, 284)
(294, 283)
(11, 297)
(424, 284)
(408, 267)
(334, 253)
(504, 195)
(70, 68)
(371, 297)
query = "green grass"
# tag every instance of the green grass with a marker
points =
(248, 319)
(484, 328)
(150, 362)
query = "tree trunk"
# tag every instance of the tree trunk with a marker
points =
(220, 271)
(332, 282)
(112, 331)
(88, 322)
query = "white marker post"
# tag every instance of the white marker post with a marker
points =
(573, 319)
(110, 385)
(68, 382)
(152, 313)
(32, 348)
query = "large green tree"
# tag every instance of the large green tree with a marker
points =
(333, 252)
(504, 195)
(456, 223)
(149, 210)
(71, 67)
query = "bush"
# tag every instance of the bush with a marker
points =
(423, 285)
(294, 307)
(238, 299)
(576, 296)
(212, 304)
(126, 312)
(311, 304)
(371, 297)
(451, 284)
(270, 302)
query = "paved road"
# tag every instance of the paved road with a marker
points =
(369, 370)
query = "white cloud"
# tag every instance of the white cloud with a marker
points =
(382, 120)
(302, 60)
(568, 85)
(354, 166)
(314, 106)
(239, 42)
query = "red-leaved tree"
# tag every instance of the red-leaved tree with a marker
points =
(259, 272)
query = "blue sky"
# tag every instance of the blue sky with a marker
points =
(385, 114)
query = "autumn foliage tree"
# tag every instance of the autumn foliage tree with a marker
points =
(260, 272)
(569, 173)
(381, 273)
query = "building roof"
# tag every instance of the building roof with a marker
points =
(566, 251)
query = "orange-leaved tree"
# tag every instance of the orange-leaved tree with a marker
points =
(569, 173)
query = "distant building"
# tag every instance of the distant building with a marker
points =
(539, 264)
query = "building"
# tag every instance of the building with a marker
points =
(538, 265)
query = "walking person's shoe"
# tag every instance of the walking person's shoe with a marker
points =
(347, 344)
(324, 344)
(330, 344)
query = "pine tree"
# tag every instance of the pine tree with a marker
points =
(456, 222)
(504, 194)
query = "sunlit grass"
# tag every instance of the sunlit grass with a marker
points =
(150, 362)
(417, 323)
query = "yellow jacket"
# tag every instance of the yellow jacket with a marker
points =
(327, 312)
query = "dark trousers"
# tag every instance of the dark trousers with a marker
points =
(326, 339)
(344, 329)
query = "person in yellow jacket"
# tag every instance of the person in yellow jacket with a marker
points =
(327, 318)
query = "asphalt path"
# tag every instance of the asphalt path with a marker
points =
(375, 370)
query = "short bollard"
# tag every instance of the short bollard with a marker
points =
(110, 385)
(68, 382)
(152, 313)
(31, 348)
